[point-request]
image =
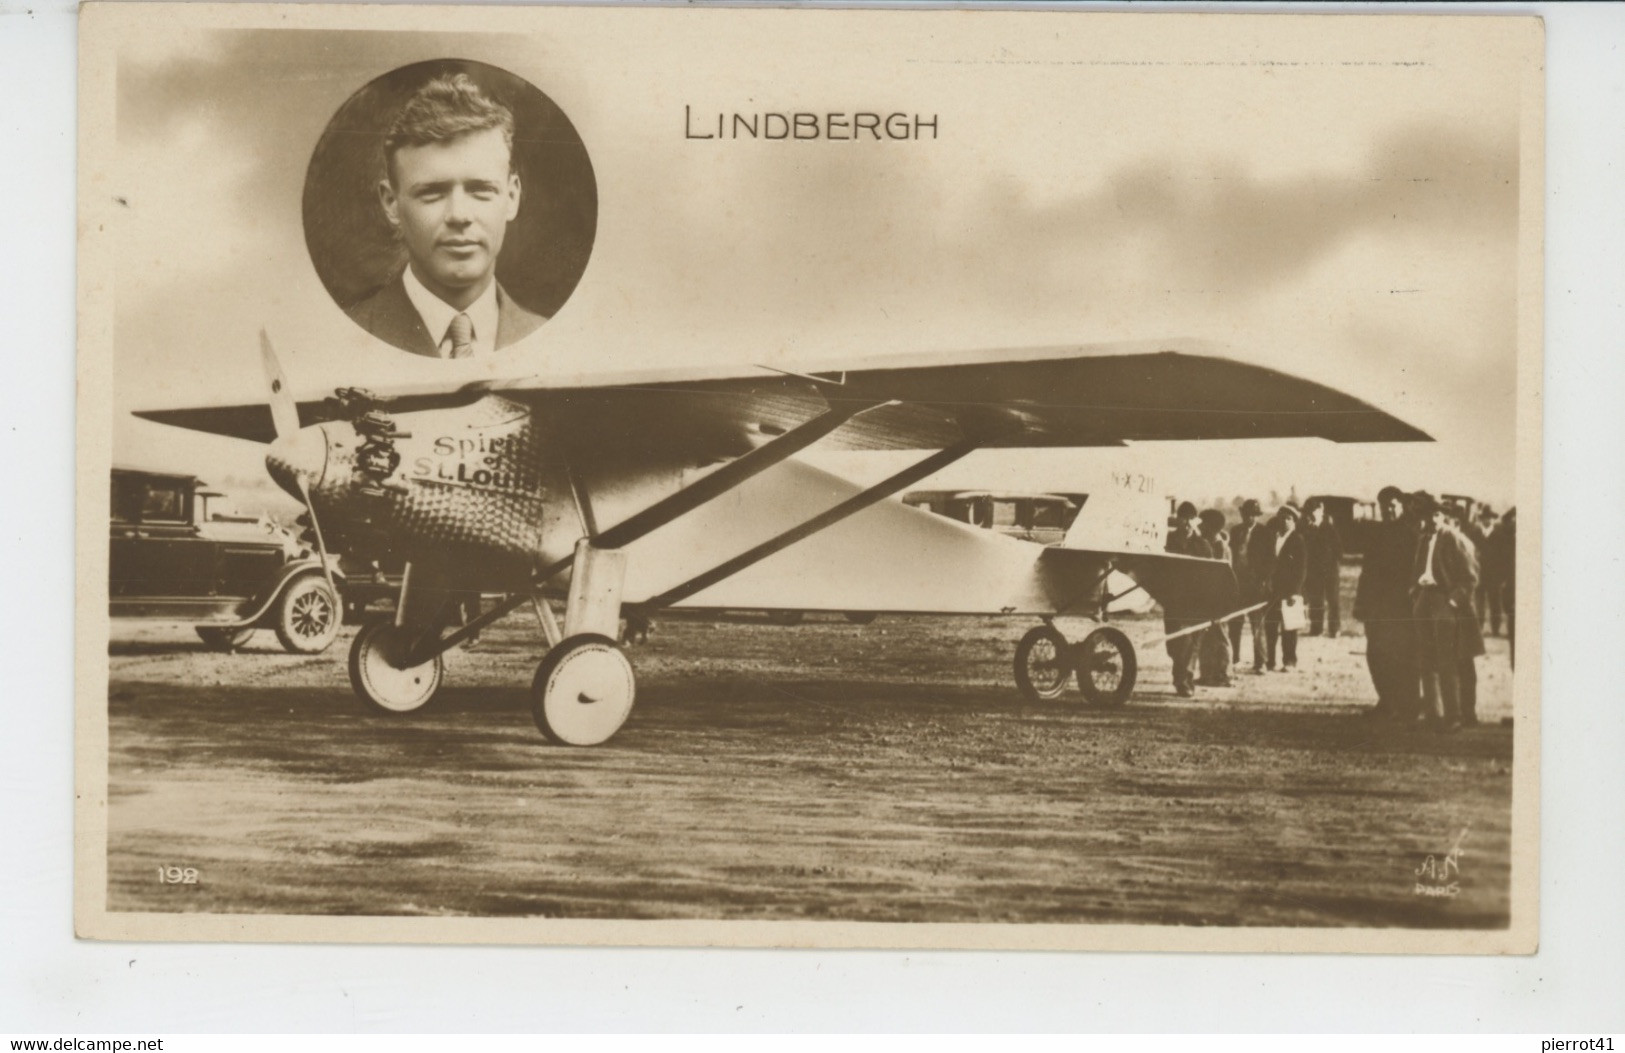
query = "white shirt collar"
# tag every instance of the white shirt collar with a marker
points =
(437, 314)
(1427, 563)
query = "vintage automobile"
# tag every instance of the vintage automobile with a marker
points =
(1039, 517)
(1356, 519)
(228, 576)
(1043, 518)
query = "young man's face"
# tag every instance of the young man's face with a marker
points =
(1393, 509)
(451, 202)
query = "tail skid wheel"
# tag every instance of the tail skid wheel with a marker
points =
(1043, 664)
(1106, 667)
(583, 691)
(380, 682)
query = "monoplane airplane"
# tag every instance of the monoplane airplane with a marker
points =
(681, 489)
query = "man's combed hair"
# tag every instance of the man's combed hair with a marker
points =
(443, 109)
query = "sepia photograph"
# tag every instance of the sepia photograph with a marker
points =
(951, 479)
(413, 191)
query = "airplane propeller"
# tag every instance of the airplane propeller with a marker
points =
(285, 419)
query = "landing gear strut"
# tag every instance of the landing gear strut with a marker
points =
(584, 688)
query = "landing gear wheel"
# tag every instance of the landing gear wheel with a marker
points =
(382, 684)
(1106, 667)
(220, 638)
(583, 691)
(307, 616)
(1043, 664)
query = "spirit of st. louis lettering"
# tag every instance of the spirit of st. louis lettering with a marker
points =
(484, 462)
(861, 126)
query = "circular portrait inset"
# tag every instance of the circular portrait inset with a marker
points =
(450, 208)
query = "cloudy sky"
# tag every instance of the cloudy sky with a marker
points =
(1332, 196)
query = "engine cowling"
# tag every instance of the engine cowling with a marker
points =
(466, 487)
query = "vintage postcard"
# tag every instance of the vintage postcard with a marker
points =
(827, 478)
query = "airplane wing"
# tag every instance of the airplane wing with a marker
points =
(1085, 395)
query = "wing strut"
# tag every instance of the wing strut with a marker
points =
(718, 482)
(729, 475)
(852, 505)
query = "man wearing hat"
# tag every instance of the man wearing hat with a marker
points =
(1444, 577)
(1383, 602)
(1325, 547)
(1500, 567)
(1214, 649)
(1280, 564)
(1241, 535)
(1184, 540)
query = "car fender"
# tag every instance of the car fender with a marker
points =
(254, 612)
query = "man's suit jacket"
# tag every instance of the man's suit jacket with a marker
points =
(1279, 574)
(1241, 536)
(1455, 569)
(1176, 607)
(389, 315)
(1325, 547)
(1384, 592)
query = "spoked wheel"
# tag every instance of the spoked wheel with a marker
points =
(307, 618)
(220, 638)
(583, 691)
(378, 678)
(1106, 667)
(1043, 664)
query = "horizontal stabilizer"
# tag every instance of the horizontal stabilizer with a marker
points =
(1188, 586)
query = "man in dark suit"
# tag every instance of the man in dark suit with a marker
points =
(1280, 564)
(1383, 602)
(449, 190)
(1444, 577)
(1500, 570)
(1214, 648)
(1321, 586)
(1241, 537)
(1184, 540)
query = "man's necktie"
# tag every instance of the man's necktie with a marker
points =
(460, 333)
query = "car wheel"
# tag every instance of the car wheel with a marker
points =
(1106, 667)
(307, 615)
(1043, 664)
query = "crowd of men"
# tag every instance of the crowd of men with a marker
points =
(1431, 582)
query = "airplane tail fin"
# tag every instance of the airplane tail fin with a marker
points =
(1126, 513)
(1126, 520)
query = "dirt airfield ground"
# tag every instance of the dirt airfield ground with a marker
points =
(885, 773)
